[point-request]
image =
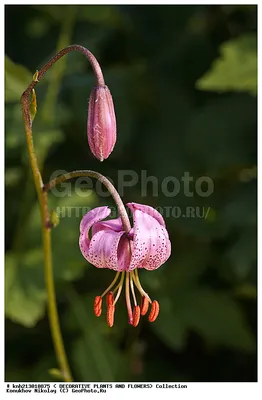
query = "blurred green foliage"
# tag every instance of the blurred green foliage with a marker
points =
(184, 82)
(236, 69)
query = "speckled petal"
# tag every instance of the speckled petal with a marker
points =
(124, 253)
(103, 250)
(151, 244)
(93, 216)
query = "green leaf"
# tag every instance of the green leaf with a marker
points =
(240, 209)
(33, 103)
(38, 371)
(106, 14)
(17, 78)
(24, 287)
(55, 373)
(45, 139)
(217, 128)
(213, 314)
(243, 253)
(54, 218)
(95, 354)
(247, 291)
(15, 132)
(216, 316)
(169, 327)
(12, 176)
(37, 27)
(235, 69)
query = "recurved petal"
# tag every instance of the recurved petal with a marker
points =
(93, 216)
(111, 224)
(124, 253)
(147, 210)
(104, 248)
(151, 244)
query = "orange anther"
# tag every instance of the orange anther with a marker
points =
(110, 315)
(109, 299)
(136, 315)
(154, 311)
(144, 306)
(98, 306)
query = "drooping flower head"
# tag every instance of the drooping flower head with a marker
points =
(147, 245)
(101, 124)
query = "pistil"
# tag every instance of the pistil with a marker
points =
(128, 302)
(132, 289)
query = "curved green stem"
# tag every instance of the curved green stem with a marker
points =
(43, 200)
(75, 47)
(104, 181)
(46, 234)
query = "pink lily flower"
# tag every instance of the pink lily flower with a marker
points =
(147, 245)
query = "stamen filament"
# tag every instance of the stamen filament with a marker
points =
(115, 289)
(128, 302)
(132, 288)
(119, 286)
(139, 287)
(111, 285)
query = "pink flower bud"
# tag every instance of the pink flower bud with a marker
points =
(101, 124)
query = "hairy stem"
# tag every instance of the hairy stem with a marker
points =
(26, 100)
(93, 174)
(46, 234)
(74, 47)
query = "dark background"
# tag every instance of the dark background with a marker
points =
(168, 122)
